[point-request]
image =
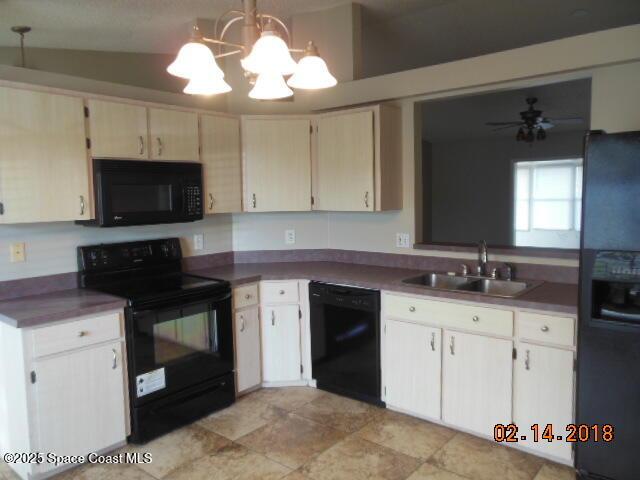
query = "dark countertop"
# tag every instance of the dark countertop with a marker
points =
(50, 307)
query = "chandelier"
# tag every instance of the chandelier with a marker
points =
(265, 57)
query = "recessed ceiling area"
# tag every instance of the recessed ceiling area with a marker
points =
(466, 117)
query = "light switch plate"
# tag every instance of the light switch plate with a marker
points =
(198, 241)
(402, 240)
(16, 252)
(290, 237)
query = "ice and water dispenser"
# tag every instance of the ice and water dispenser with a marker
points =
(616, 287)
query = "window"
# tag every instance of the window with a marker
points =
(547, 202)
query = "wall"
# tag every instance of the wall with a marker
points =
(616, 94)
(472, 182)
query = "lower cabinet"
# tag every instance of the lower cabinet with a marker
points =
(247, 333)
(543, 394)
(413, 364)
(476, 381)
(281, 356)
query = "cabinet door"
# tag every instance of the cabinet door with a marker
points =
(281, 358)
(476, 381)
(413, 368)
(344, 173)
(79, 401)
(44, 174)
(118, 130)
(543, 394)
(174, 135)
(221, 163)
(277, 164)
(247, 329)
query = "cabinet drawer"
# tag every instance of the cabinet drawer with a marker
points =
(491, 321)
(245, 296)
(279, 292)
(76, 334)
(546, 328)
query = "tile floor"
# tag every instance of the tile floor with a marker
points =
(305, 434)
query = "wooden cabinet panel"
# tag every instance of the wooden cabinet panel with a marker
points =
(245, 296)
(546, 328)
(118, 130)
(543, 394)
(344, 173)
(281, 358)
(247, 329)
(174, 135)
(277, 159)
(221, 163)
(43, 158)
(79, 401)
(413, 368)
(279, 292)
(476, 381)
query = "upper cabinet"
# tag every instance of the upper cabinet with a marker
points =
(174, 135)
(358, 161)
(44, 173)
(118, 130)
(221, 163)
(277, 160)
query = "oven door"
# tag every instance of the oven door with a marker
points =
(178, 346)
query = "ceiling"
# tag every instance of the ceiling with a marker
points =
(465, 117)
(151, 26)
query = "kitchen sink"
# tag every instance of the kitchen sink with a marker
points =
(470, 284)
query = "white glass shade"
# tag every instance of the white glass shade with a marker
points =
(195, 59)
(206, 85)
(270, 85)
(312, 73)
(269, 52)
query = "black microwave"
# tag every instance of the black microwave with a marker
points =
(131, 192)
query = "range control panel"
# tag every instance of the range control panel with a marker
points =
(116, 256)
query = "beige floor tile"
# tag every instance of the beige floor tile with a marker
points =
(430, 472)
(411, 436)
(178, 448)
(6, 473)
(244, 416)
(292, 440)
(481, 459)
(233, 462)
(105, 472)
(339, 412)
(287, 398)
(357, 459)
(553, 471)
(296, 475)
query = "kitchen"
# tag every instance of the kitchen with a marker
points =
(241, 287)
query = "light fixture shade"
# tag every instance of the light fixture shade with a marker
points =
(269, 52)
(207, 85)
(195, 59)
(311, 74)
(270, 85)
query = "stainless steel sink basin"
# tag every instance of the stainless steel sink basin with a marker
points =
(470, 284)
(438, 280)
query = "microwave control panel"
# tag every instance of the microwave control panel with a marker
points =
(193, 200)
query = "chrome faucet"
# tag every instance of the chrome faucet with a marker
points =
(482, 258)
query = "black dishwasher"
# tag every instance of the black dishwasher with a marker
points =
(345, 340)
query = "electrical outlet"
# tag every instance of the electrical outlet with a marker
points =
(402, 240)
(290, 237)
(198, 241)
(16, 252)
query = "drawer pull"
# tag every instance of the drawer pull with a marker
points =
(544, 328)
(211, 201)
(247, 296)
(412, 308)
(273, 318)
(141, 143)
(527, 361)
(476, 318)
(83, 333)
(115, 359)
(242, 323)
(281, 292)
(452, 346)
(433, 341)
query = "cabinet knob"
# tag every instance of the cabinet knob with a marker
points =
(412, 308)
(247, 296)
(476, 318)
(83, 333)
(281, 292)
(544, 328)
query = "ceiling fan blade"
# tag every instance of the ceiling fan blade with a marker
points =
(505, 127)
(495, 124)
(569, 120)
(546, 125)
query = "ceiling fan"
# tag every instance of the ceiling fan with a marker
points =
(533, 125)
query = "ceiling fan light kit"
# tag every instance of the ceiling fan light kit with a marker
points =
(266, 59)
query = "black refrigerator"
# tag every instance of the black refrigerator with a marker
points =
(608, 378)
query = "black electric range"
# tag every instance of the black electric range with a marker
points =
(178, 330)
